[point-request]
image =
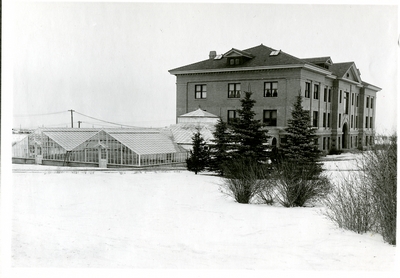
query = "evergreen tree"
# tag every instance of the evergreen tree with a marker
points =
(198, 158)
(248, 135)
(219, 150)
(300, 146)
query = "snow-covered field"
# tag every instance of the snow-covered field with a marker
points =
(174, 220)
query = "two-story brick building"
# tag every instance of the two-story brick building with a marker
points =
(342, 106)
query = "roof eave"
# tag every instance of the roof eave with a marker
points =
(351, 81)
(372, 87)
(235, 69)
(317, 69)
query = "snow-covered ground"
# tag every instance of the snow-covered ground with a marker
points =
(174, 220)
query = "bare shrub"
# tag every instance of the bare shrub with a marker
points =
(350, 204)
(379, 167)
(266, 194)
(298, 185)
(366, 200)
(244, 179)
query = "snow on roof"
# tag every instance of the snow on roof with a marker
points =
(147, 143)
(198, 113)
(70, 139)
(139, 140)
(183, 133)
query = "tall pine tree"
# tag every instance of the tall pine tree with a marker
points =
(300, 146)
(219, 150)
(198, 157)
(249, 137)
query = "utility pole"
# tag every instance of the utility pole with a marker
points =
(72, 118)
(79, 124)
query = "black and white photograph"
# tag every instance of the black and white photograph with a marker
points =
(199, 139)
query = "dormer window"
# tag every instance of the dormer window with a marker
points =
(235, 61)
(237, 57)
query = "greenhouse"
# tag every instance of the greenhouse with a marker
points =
(103, 148)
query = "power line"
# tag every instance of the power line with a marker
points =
(97, 124)
(44, 114)
(102, 120)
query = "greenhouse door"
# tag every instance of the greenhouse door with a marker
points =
(102, 158)
(38, 155)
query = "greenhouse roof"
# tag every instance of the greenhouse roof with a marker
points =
(183, 133)
(139, 140)
(70, 139)
(146, 143)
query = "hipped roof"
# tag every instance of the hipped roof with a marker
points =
(264, 57)
(261, 57)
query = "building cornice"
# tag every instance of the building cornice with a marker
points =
(372, 87)
(241, 69)
(358, 84)
(236, 69)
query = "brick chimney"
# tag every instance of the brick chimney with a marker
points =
(212, 54)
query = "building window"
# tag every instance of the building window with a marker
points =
(329, 95)
(329, 120)
(201, 91)
(234, 90)
(372, 103)
(352, 99)
(308, 89)
(325, 93)
(356, 121)
(324, 143)
(366, 122)
(370, 122)
(340, 119)
(328, 144)
(324, 120)
(351, 123)
(346, 103)
(315, 118)
(231, 115)
(340, 96)
(316, 91)
(366, 140)
(367, 102)
(271, 89)
(269, 118)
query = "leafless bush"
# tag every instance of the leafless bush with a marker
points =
(350, 204)
(298, 185)
(266, 194)
(244, 179)
(379, 166)
(366, 200)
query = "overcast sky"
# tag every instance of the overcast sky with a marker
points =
(111, 60)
